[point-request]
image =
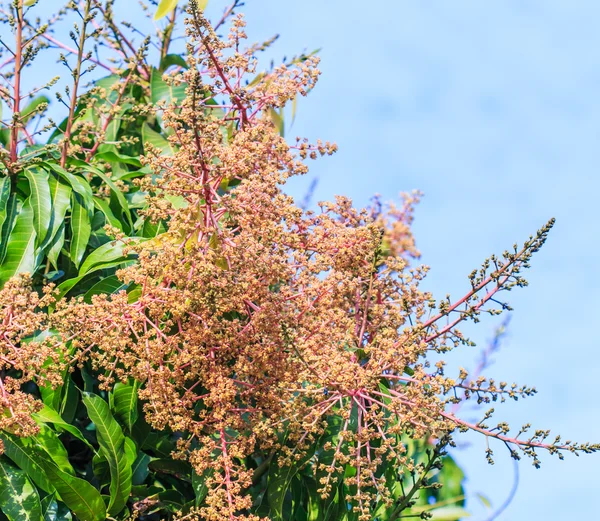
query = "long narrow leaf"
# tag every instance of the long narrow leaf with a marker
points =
(81, 497)
(49, 441)
(20, 249)
(124, 403)
(78, 183)
(25, 453)
(48, 415)
(115, 189)
(11, 210)
(19, 500)
(60, 195)
(4, 196)
(81, 229)
(68, 285)
(55, 247)
(41, 201)
(112, 446)
(108, 252)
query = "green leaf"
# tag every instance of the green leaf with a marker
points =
(107, 253)
(49, 508)
(25, 453)
(54, 510)
(173, 59)
(294, 108)
(151, 230)
(112, 446)
(130, 451)
(78, 183)
(81, 497)
(104, 207)
(161, 90)
(452, 477)
(124, 400)
(157, 140)
(278, 483)
(48, 415)
(106, 286)
(199, 486)
(19, 500)
(139, 469)
(112, 155)
(55, 247)
(48, 439)
(10, 212)
(81, 229)
(41, 202)
(60, 196)
(115, 189)
(20, 250)
(4, 196)
(179, 469)
(68, 285)
(70, 399)
(164, 8)
(484, 500)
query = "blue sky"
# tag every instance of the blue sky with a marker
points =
(492, 109)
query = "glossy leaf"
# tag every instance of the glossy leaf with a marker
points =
(105, 286)
(107, 253)
(173, 59)
(104, 207)
(112, 446)
(68, 285)
(81, 229)
(19, 500)
(50, 442)
(78, 183)
(20, 249)
(179, 469)
(55, 247)
(41, 202)
(54, 510)
(4, 196)
(9, 213)
(199, 486)
(60, 197)
(124, 400)
(278, 484)
(25, 453)
(48, 415)
(115, 189)
(139, 469)
(79, 495)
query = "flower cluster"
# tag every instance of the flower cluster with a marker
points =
(260, 327)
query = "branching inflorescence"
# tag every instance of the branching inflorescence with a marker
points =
(260, 327)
